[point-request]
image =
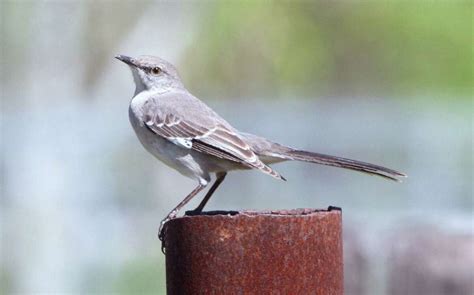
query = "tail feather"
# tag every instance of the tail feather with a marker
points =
(268, 170)
(343, 163)
(270, 152)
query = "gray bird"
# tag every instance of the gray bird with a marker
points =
(187, 135)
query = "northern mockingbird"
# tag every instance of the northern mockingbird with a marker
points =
(187, 135)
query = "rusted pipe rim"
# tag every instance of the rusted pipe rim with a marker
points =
(285, 212)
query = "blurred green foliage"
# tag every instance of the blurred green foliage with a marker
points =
(333, 48)
(142, 277)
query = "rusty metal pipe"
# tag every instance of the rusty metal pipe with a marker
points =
(266, 252)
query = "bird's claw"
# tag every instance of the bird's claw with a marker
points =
(162, 230)
(162, 234)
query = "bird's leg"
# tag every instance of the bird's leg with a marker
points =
(172, 214)
(219, 179)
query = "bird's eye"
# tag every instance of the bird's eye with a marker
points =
(155, 70)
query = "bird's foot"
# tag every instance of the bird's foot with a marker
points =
(162, 230)
(194, 212)
(162, 234)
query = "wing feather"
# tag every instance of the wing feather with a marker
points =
(216, 140)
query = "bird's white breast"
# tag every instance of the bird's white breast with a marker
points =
(136, 106)
(186, 161)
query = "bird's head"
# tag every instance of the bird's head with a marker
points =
(152, 73)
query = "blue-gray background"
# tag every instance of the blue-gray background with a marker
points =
(384, 82)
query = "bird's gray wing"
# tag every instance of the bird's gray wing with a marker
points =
(209, 136)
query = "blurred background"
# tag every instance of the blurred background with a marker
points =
(384, 82)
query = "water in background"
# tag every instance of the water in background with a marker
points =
(82, 199)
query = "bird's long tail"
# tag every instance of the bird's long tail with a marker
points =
(291, 154)
(270, 152)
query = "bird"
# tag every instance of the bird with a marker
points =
(185, 134)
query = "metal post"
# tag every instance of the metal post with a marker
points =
(284, 252)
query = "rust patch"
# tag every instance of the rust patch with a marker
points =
(256, 252)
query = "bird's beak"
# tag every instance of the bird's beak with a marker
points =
(126, 59)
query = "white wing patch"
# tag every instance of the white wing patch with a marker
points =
(150, 122)
(173, 123)
(187, 142)
(182, 142)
